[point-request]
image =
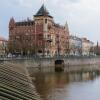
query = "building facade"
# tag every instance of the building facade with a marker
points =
(87, 47)
(3, 47)
(75, 45)
(97, 49)
(38, 36)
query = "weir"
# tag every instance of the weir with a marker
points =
(15, 83)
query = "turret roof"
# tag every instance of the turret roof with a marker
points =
(43, 12)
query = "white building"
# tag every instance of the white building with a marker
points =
(87, 47)
(3, 46)
(75, 45)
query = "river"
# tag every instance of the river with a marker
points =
(67, 86)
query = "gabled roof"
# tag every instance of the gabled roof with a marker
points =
(43, 12)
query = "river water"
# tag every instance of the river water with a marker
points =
(67, 86)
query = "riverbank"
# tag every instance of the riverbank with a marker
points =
(80, 65)
(71, 61)
(48, 64)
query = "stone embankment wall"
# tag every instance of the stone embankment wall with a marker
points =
(47, 65)
(51, 61)
(67, 61)
(82, 61)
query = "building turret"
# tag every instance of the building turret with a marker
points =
(11, 23)
(43, 12)
(43, 17)
(44, 20)
(66, 27)
(97, 44)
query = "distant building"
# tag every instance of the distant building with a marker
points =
(38, 36)
(97, 49)
(87, 47)
(75, 45)
(3, 46)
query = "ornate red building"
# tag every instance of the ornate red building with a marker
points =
(40, 35)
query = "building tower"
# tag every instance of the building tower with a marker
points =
(44, 20)
(11, 28)
(67, 40)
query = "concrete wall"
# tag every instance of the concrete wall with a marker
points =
(67, 61)
(48, 65)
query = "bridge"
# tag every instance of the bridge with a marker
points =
(15, 83)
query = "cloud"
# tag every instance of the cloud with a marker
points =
(83, 16)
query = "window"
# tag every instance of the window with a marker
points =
(26, 33)
(45, 21)
(40, 36)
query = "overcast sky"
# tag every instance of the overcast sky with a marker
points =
(82, 16)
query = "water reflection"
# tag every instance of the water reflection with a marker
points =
(66, 86)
